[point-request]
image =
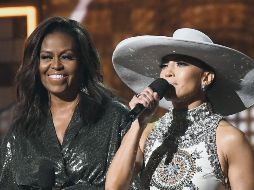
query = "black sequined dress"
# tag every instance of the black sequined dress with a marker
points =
(81, 161)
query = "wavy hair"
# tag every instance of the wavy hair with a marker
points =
(32, 97)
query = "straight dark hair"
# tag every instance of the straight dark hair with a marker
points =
(32, 97)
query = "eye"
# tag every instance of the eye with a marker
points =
(163, 65)
(46, 57)
(68, 57)
(182, 63)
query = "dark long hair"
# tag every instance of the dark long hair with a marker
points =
(32, 97)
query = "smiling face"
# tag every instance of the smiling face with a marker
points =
(58, 65)
(187, 80)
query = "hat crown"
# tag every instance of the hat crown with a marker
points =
(189, 34)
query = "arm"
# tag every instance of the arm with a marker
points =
(238, 156)
(128, 160)
(7, 173)
(125, 165)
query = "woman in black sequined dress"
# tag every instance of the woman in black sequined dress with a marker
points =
(67, 125)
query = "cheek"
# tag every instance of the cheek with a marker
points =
(74, 72)
(188, 83)
(162, 74)
(72, 67)
(190, 77)
(42, 71)
(43, 67)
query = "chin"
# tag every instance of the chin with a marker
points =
(57, 90)
(170, 97)
(177, 99)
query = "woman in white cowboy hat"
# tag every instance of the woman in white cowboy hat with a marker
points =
(192, 146)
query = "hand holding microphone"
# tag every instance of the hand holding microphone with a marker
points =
(148, 99)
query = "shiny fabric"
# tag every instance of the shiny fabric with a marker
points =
(181, 153)
(81, 161)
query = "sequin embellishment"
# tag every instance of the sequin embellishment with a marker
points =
(186, 142)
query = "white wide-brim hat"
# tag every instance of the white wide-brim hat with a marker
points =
(137, 60)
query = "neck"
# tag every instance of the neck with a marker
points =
(184, 105)
(57, 102)
(190, 102)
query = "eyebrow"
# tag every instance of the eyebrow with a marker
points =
(47, 51)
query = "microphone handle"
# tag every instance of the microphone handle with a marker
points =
(135, 112)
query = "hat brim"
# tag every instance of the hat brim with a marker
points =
(137, 59)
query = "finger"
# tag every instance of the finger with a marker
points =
(156, 96)
(150, 101)
(146, 95)
(154, 101)
(137, 95)
(149, 90)
(144, 98)
(134, 101)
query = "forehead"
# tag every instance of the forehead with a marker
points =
(56, 40)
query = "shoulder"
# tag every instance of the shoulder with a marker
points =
(230, 139)
(9, 140)
(10, 133)
(238, 157)
(117, 111)
(116, 105)
(228, 133)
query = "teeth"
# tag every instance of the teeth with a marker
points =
(56, 76)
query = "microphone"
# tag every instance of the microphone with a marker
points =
(161, 86)
(46, 175)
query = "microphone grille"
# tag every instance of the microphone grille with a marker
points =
(161, 86)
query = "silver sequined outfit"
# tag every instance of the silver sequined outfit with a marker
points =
(181, 153)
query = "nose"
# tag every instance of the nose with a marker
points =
(56, 64)
(168, 71)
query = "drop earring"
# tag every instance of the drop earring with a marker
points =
(84, 89)
(203, 87)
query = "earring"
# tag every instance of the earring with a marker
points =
(203, 87)
(84, 89)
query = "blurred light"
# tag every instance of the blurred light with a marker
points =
(80, 11)
(29, 11)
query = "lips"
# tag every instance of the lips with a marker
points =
(57, 76)
(171, 82)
